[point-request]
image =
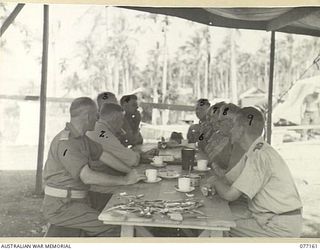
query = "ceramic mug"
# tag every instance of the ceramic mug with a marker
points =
(184, 183)
(202, 164)
(151, 175)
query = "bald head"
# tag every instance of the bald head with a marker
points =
(228, 111)
(112, 114)
(80, 106)
(251, 121)
(108, 109)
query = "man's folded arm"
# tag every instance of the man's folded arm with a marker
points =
(91, 177)
(114, 162)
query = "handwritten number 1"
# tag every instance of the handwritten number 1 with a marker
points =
(250, 117)
(64, 153)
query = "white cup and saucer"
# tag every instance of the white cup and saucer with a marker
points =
(152, 176)
(184, 185)
(202, 166)
(158, 162)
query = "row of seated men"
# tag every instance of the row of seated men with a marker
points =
(93, 150)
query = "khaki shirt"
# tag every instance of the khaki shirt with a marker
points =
(111, 144)
(264, 177)
(69, 153)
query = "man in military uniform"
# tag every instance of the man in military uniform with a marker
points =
(272, 205)
(68, 176)
(201, 108)
(132, 119)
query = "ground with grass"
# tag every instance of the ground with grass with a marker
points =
(20, 210)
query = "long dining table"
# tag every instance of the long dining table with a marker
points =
(216, 215)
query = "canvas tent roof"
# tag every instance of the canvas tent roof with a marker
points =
(296, 20)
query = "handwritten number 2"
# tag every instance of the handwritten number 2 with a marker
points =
(102, 132)
(250, 117)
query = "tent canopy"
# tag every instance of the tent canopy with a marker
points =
(297, 20)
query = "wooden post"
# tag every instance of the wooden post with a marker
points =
(11, 18)
(270, 90)
(43, 99)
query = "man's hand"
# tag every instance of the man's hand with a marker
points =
(133, 177)
(208, 188)
(217, 170)
(150, 153)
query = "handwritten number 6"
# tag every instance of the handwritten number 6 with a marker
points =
(225, 111)
(250, 117)
(201, 137)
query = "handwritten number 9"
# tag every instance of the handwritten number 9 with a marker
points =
(250, 117)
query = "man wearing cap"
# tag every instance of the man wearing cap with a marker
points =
(194, 131)
(132, 119)
(310, 111)
(68, 174)
(272, 206)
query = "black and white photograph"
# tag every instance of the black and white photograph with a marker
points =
(148, 121)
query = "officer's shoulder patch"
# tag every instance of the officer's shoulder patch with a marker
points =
(258, 146)
(64, 136)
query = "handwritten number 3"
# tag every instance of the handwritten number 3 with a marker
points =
(250, 117)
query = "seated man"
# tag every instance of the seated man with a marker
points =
(273, 206)
(109, 124)
(219, 149)
(68, 176)
(201, 108)
(132, 121)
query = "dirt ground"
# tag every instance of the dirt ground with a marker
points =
(20, 214)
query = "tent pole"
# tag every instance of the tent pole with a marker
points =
(270, 90)
(43, 99)
(11, 18)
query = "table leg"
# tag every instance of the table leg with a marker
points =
(211, 233)
(127, 231)
(143, 232)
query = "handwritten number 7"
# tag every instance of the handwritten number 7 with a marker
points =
(250, 117)
(215, 109)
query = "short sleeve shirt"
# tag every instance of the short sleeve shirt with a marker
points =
(110, 143)
(264, 177)
(69, 153)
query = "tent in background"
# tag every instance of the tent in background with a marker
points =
(290, 109)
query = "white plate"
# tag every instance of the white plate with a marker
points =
(201, 170)
(158, 165)
(183, 191)
(169, 174)
(157, 180)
